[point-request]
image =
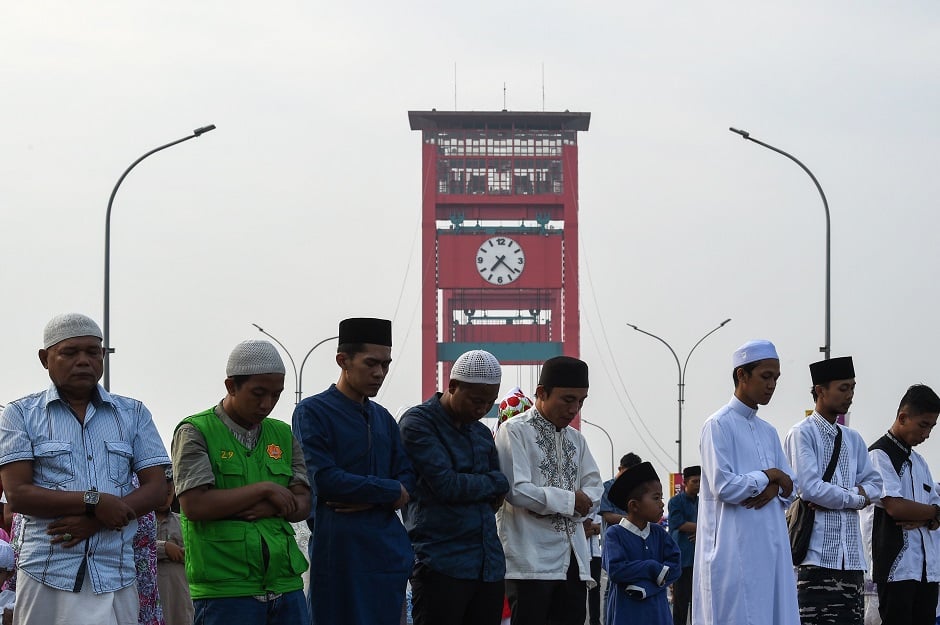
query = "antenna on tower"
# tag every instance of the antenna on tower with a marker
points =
(504, 96)
(543, 87)
(455, 85)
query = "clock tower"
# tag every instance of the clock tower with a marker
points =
(499, 237)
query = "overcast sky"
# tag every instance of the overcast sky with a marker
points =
(303, 207)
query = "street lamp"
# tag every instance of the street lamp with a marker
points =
(681, 373)
(825, 349)
(607, 434)
(298, 374)
(108, 350)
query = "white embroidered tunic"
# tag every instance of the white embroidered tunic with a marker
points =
(537, 523)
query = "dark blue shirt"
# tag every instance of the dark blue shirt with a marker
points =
(683, 509)
(451, 518)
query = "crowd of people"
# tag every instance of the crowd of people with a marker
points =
(515, 524)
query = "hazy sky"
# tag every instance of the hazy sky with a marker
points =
(303, 206)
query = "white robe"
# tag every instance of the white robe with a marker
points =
(743, 571)
(537, 523)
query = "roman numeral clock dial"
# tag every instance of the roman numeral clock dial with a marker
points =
(500, 260)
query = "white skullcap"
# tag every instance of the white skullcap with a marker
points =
(254, 358)
(477, 367)
(752, 351)
(6, 556)
(68, 326)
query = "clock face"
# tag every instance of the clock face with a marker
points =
(500, 260)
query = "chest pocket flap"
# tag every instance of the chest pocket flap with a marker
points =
(120, 457)
(53, 463)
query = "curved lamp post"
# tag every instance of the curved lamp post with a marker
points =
(825, 349)
(108, 350)
(607, 434)
(298, 373)
(681, 372)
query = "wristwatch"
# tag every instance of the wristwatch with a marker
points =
(91, 501)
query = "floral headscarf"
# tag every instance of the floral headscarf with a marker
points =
(514, 403)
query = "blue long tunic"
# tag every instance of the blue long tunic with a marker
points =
(361, 560)
(633, 561)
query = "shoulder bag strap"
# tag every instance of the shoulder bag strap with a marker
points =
(836, 448)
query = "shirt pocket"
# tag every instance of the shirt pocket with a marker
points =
(53, 463)
(120, 457)
(220, 553)
(278, 470)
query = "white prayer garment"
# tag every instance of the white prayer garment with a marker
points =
(743, 573)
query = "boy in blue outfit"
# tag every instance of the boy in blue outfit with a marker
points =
(640, 557)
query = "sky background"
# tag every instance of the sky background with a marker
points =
(303, 207)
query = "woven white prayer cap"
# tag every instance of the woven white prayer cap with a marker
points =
(477, 367)
(254, 358)
(68, 326)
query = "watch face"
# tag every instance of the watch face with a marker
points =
(500, 260)
(91, 497)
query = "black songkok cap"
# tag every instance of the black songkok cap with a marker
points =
(564, 372)
(826, 371)
(691, 472)
(621, 489)
(365, 330)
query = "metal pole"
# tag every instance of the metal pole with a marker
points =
(298, 373)
(108, 350)
(291, 358)
(681, 369)
(301, 378)
(825, 349)
(607, 434)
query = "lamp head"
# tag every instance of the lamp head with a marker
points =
(743, 133)
(203, 130)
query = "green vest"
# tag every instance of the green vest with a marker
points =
(226, 558)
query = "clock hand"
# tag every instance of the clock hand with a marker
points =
(499, 259)
(502, 259)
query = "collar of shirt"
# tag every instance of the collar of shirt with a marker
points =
(362, 406)
(831, 429)
(742, 409)
(633, 529)
(542, 423)
(100, 397)
(247, 437)
(441, 415)
(899, 443)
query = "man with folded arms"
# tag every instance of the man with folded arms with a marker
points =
(554, 486)
(459, 570)
(67, 459)
(831, 576)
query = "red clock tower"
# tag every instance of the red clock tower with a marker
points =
(499, 237)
